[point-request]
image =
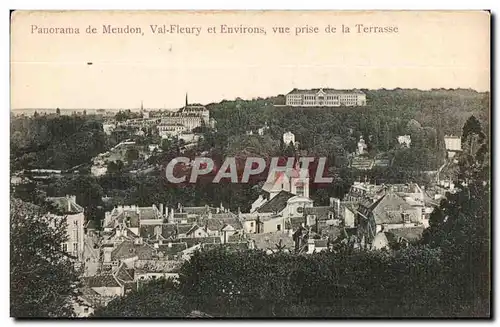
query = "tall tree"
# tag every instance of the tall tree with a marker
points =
(43, 280)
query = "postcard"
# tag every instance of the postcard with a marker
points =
(250, 164)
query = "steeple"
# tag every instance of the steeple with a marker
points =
(142, 106)
(186, 99)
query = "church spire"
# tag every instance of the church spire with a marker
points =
(142, 106)
(186, 99)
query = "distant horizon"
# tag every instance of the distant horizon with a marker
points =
(254, 98)
(431, 49)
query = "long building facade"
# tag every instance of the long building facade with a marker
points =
(325, 98)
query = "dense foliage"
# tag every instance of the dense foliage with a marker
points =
(153, 300)
(43, 280)
(54, 142)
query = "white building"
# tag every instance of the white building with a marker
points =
(288, 138)
(66, 208)
(453, 145)
(325, 98)
(361, 146)
(404, 140)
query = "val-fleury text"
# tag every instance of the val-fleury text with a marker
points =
(175, 29)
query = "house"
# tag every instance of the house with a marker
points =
(453, 145)
(285, 203)
(66, 209)
(129, 251)
(320, 217)
(250, 222)
(388, 212)
(197, 232)
(288, 138)
(404, 140)
(131, 216)
(223, 224)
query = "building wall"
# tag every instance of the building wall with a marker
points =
(327, 99)
(294, 209)
(349, 218)
(250, 226)
(75, 231)
(271, 225)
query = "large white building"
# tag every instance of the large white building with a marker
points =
(325, 98)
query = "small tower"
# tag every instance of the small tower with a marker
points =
(186, 100)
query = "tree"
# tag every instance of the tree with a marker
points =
(58, 111)
(460, 227)
(43, 280)
(131, 155)
(155, 299)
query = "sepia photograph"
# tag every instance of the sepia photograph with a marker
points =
(250, 164)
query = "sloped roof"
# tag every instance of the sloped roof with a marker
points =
(387, 209)
(192, 241)
(220, 220)
(196, 210)
(157, 266)
(103, 280)
(127, 249)
(269, 240)
(172, 248)
(169, 231)
(321, 213)
(124, 274)
(276, 204)
(65, 205)
(411, 234)
(147, 231)
(239, 246)
(184, 228)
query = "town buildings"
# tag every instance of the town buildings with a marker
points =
(325, 98)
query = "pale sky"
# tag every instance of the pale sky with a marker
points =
(431, 50)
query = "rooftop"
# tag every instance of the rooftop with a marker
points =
(276, 204)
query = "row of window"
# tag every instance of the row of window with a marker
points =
(64, 247)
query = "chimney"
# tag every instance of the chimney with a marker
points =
(161, 209)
